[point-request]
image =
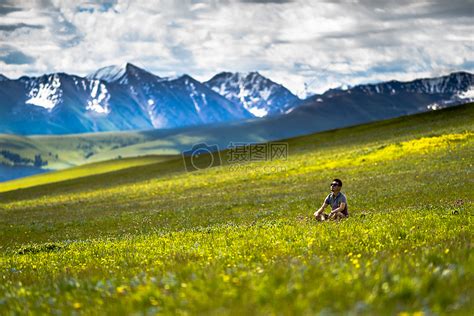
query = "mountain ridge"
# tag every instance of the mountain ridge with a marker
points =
(128, 97)
(132, 98)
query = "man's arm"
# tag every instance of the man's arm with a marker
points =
(340, 208)
(321, 209)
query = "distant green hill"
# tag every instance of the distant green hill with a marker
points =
(91, 169)
(60, 152)
(240, 238)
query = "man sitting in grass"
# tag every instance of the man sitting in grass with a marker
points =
(338, 203)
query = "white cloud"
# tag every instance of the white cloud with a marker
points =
(321, 43)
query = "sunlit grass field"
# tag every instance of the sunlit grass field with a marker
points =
(240, 238)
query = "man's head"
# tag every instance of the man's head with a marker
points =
(336, 185)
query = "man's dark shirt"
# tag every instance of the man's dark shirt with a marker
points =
(336, 201)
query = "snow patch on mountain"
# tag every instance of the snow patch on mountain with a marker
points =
(100, 97)
(195, 96)
(258, 112)
(434, 106)
(468, 94)
(158, 120)
(46, 95)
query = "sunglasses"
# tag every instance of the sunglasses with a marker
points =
(334, 184)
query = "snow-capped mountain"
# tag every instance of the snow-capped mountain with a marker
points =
(113, 98)
(257, 94)
(168, 103)
(51, 90)
(451, 89)
(128, 97)
(371, 102)
(54, 103)
(451, 84)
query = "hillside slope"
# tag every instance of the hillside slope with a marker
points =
(71, 150)
(142, 153)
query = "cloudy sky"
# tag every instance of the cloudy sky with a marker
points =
(317, 44)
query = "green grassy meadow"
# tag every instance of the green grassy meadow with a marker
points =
(240, 238)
